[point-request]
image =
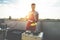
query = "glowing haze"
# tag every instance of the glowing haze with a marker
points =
(20, 8)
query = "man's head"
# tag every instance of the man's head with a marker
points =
(33, 6)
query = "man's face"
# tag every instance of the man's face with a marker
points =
(33, 7)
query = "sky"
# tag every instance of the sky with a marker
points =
(20, 8)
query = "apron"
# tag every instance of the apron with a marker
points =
(31, 21)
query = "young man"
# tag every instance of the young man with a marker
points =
(32, 18)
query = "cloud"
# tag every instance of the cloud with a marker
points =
(7, 1)
(57, 4)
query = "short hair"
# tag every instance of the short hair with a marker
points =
(33, 4)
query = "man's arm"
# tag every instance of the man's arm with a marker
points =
(28, 16)
(36, 17)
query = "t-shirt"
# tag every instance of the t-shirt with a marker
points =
(33, 16)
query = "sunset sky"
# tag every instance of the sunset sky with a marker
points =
(20, 8)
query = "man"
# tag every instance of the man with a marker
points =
(32, 18)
